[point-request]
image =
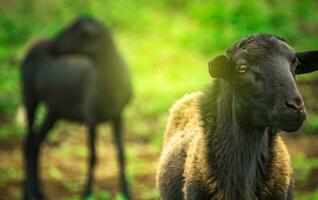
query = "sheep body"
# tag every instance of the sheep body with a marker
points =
(177, 139)
(80, 76)
(52, 86)
(184, 165)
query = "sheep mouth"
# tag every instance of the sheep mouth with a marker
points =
(289, 122)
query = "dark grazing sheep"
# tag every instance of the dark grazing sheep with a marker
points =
(223, 143)
(80, 76)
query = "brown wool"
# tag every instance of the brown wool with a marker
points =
(184, 153)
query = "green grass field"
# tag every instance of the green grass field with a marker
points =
(167, 45)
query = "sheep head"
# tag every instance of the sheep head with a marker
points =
(261, 73)
(84, 36)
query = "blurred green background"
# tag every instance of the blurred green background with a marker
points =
(167, 45)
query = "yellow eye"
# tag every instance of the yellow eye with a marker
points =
(242, 69)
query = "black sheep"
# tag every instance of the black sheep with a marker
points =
(80, 76)
(223, 144)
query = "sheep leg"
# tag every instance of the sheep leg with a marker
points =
(30, 106)
(118, 135)
(32, 150)
(92, 160)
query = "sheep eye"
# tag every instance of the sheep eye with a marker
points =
(242, 69)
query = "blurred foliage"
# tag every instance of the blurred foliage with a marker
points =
(166, 44)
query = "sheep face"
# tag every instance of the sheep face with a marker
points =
(84, 35)
(261, 73)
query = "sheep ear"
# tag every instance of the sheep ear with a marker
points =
(308, 62)
(220, 67)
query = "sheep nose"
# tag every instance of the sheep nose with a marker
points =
(296, 103)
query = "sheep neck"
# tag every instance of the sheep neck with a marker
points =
(112, 73)
(238, 155)
(107, 58)
(111, 79)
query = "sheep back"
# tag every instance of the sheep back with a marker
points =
(183, 114)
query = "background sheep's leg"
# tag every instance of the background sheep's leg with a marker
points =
(118, 135)
(30, 105)
(32, 150)
(92, 159)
